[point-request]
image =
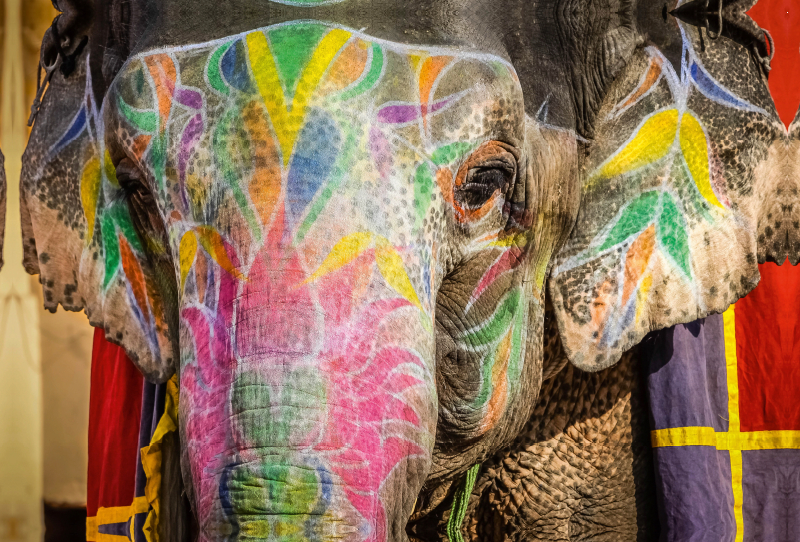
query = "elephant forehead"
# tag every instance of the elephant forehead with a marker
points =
(310, 112)
(297, 72)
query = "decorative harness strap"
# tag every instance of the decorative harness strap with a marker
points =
(731, 22)
(460, 501)
(64, 61)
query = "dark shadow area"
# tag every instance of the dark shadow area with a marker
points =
(64, 523)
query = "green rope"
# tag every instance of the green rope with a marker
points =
(460, 501)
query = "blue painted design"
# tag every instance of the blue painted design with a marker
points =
(75, 129)
(234, 68)
(226, 502)
(325, 480)
(712, 90)
(314, 156)
(623, 321)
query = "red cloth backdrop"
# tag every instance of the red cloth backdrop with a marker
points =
(115, 409)
(768, 320)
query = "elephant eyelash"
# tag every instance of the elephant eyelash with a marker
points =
(481, 186)
(484, 181)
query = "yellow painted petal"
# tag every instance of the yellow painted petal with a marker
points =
(90, 191)
(285, 122)
(257, 529)
(641, 295)
(652, 142)
(345, 251)
(390, 264)
(212, 242)
(110, 170)
(188, 252)
(695, 151)
(516, 240)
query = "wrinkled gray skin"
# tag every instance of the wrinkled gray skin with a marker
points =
(579, 469)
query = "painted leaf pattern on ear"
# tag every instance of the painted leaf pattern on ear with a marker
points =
(661, 194)
(112, 278)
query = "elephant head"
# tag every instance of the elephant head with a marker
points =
(341, 240)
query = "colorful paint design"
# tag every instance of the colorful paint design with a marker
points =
(673, 186)
(113, 247)
(304, 172)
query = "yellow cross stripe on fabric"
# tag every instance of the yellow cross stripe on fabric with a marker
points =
(734, 441)
(732, 369)
(706, 436)
(287, 121)
(738, 495)
(732, 366)
(116, 514)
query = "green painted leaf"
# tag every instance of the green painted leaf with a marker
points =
(672, 234)
(144, 121)
(121, 215)
(158, 157)
(494, 329)
(110, 248)
(213, 70)
(423, 191)
(450, 153)
(292, 46)
(635, 218)
(369, 80)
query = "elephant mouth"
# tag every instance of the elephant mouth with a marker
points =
(283, 500)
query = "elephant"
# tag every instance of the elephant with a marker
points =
(344, 242)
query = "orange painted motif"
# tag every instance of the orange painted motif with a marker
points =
(135, 276)
(347, 67)
(636, 262)
(162, 70)
(497, 403)
(265, 185)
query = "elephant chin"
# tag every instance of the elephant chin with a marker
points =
(296, 496)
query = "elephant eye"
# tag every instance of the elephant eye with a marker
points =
(485, 177)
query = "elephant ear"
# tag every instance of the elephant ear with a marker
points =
(80, 237)
(666, 231)
(779, 226)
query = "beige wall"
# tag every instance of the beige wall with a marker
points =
(66, 338)
(44, 358)
(66, 347)
(21, 467)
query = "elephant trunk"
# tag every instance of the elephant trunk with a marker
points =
(307, 416)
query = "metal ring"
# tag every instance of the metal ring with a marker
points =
(771, 44)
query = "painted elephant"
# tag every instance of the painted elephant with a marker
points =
(341, 239)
